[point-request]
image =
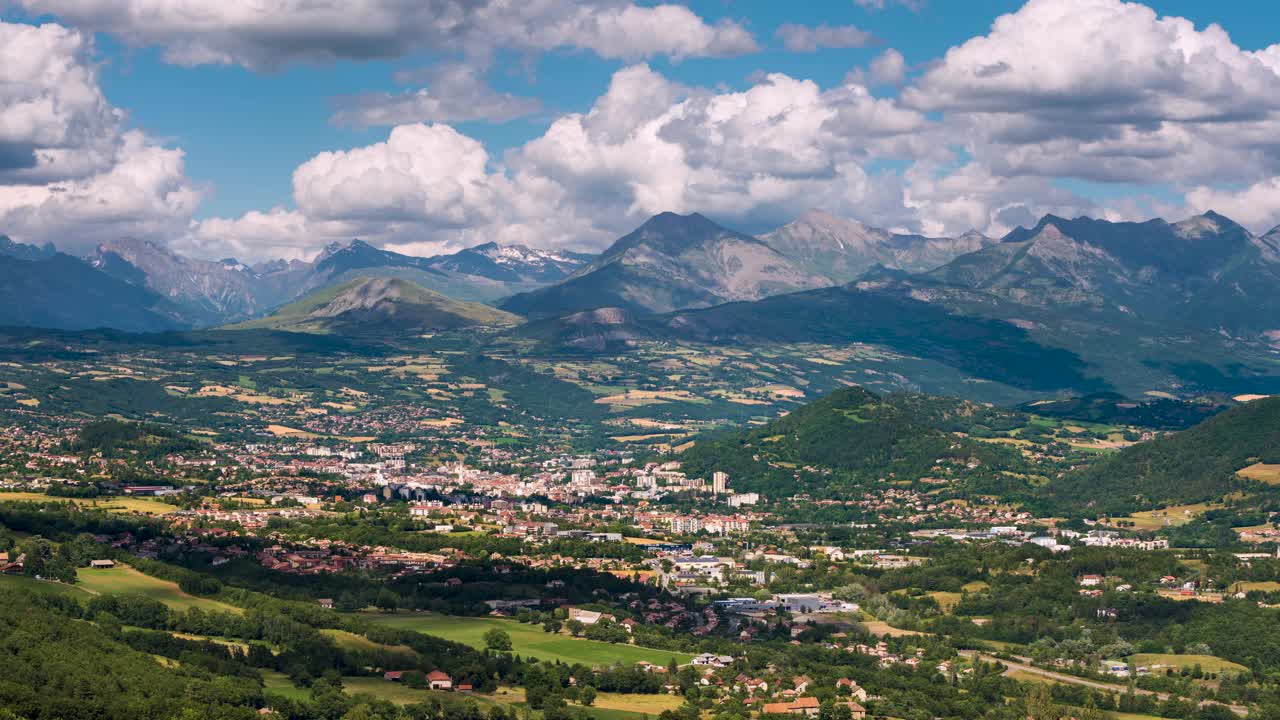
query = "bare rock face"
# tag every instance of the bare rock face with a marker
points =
(844, 250)
(669, 263)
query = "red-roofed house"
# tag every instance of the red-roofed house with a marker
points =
(437, 680)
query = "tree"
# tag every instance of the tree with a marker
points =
(497, 640)
(587, 696)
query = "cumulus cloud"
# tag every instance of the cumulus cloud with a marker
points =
(979, 140)
(1120, 94)
(69, 172)
(802, 38)
(266, 35)
(54, 121)
(648, 145)
(1256, 206)
(145, 193)
(454, 93)
(888, 68)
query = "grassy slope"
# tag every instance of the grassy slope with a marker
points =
(112, 504)
(122, 580)
(414, 301)
(528, 640)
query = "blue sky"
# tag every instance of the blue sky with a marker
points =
(240, 108)
(245, 131)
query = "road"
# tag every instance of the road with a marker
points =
(1025, 666)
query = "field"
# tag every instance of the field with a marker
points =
(1175, 515)
(1263, 585)
(529, 640)
(145, 506)
(1269, 474)
(395, 692)
(351, 641)
(15, 582)
(1207, 663)
(280, 684)
(883, 629)
(123, 580)
(608, 706)
(947, 601)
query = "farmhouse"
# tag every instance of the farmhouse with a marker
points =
(438, 680)
(102, 564)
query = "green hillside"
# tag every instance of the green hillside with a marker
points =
(1191, 466)
(849, 436)
(370, 306)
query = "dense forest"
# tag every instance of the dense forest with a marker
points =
(1192, 466)
(860, 435)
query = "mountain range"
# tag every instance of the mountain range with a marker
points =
(841, 250)
(675, 262)
(148, 286)
(1081, 304)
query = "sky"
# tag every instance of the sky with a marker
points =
(426, 126)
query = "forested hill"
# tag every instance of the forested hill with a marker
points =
(1187, 467)
(827, 447)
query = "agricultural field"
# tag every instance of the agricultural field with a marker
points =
(528, 640)
(124, 580)
(352, 641)
(398, 693)
(1207, 663)
(1269, 474)
(15, 582)
(144, 506)
(1261, 585)
(1173, 515)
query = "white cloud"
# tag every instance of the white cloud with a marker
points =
(802, 38)
(69, 173)
(430, 174)
(648, 145)
(143, 194)
(978, 141)
(1109, 91)
(265, 35)
(888, 68)
(454, 93)
(54, 121)
(1256, 206)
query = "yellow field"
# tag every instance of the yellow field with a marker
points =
(880, 628)
(1262, 472)
(1175, 514)
(144, 506)
(946, 600)
(650, 704)
(1208, 663)
(634, 398)
(284, 431)
(1264, 586)
(777, 390)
